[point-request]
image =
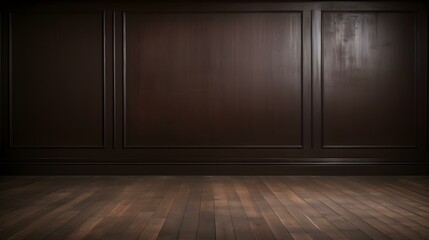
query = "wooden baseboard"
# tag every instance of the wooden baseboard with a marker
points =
(215, 169)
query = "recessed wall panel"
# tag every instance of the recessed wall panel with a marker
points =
(213, 79)
(56, 80)
(369, 84)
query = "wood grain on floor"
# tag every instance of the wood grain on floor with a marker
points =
(214, 207)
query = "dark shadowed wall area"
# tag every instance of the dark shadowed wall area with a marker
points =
(214, 88)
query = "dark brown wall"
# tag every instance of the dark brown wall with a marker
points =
(56, 80)
(213, 79)
(290, 87)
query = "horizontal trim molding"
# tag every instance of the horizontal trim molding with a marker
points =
(369, 147)
(214, 146)
(214, 169)
(215, 161)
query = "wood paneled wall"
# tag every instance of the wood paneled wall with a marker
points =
(312, 87)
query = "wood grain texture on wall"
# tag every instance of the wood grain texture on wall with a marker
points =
(219, 79)
(275, 87)
(369, 85)
(56, 80)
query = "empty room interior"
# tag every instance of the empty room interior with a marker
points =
(214, 120)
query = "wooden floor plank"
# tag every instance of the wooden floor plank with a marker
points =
(214, 207)
(260, 228)
(240, 222)
(360, 210)
(153, 227)
(206, 223)
(324, 195)
(44, 192)
(376, 210)
(395, 203)
(55, 211)
(277, 227)
(223, 221)
(149, 200)
(189, 226)
(411, 199)
(341, 223)
(392, 211)
(171, 227)
(120, 216)
(322, 223)
(299, 214)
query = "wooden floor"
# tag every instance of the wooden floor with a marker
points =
(203, 207)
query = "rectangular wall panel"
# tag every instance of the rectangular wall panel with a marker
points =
(56, 79)
(213, 79)
(369, 79)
